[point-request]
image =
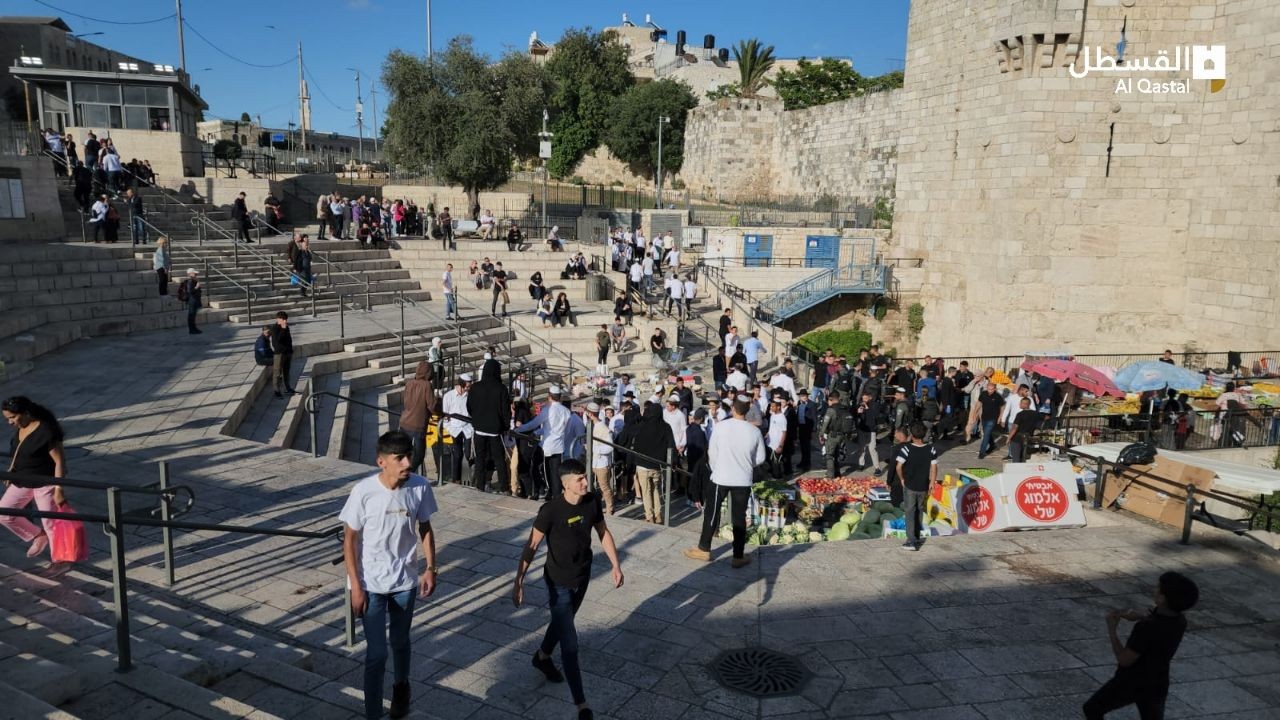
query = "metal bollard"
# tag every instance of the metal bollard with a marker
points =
(1186, 519)
(1101, 484)
(400, 296)
(248, 301)
(342, 317)
(166, 533)
(313, 408)
(119, 582)
(667, 476)
(368, 298)
(235, 251)
(272, 269)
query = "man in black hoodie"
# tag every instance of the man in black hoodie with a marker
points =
(489, 406)
(651, 438)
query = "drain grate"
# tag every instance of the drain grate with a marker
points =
(760, 672)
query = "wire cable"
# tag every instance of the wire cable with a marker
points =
(307, 71)
(170, 16)
(226, 54)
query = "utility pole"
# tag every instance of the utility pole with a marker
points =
(373, 95)
(662, 120)
(303, 115)
(182, 48)
(359, 114)
(429, 31)
(544, 152)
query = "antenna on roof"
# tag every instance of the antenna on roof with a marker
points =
(626, 21)
(648, 20)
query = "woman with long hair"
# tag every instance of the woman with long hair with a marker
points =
(35, 451)
(562, 313)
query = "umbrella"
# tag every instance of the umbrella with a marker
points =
(1078, 374)
(1154, 375)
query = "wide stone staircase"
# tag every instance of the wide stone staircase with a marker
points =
(51, 295)
(190, 660)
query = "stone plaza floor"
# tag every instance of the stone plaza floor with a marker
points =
(983, 627)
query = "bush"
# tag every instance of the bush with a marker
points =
(577, 180)
(616, 183)
(677, 184)
(882, 309)
(915, 318)
(841, 342)
(226, 150)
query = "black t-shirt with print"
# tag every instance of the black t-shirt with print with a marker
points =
(1027, 422)
(1155, 639)
(568, 529)
(917, 461)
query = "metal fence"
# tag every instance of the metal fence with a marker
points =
(1252, 427)
(15, 139)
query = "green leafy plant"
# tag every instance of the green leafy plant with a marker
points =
(842, 342)
(817, 83)
(226, 150)
(632, 132)
(677, 184)
(754, 63)
(728, 90)
(577, 180)
(589, 72)
(882, 309)
(915, 319)
(884, 212)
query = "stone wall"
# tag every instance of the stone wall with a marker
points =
(742, 150)
(42, 214)
(1040, 227)
(172, 155)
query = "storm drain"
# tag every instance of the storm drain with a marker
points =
(760, 672)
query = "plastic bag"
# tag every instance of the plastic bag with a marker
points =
(67, 540)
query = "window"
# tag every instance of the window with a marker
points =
(12, 204)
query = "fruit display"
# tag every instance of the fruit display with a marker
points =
(772, 492)
(1001, 378)
(1204, 392)
(979, 473)
(795, 533)
(839, 489)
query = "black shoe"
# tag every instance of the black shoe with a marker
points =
(399, 700)
(291, 391)
(981, 456)
(548, 668)
(278, 395)
(585, 714)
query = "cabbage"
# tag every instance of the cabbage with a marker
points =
(851, 518)
(800, 527)
(815, 537)
(726, 532)
(839, 531)
(773, 538)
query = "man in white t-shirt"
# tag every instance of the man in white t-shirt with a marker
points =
(387, 517)
(647, 266)
(731, 342)
(690, 292)
(635, 275)
(675, 296)
(453, 403)
(450, 298)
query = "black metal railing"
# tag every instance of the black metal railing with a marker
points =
(115, 522)
(1192, 497)
(1219, 429)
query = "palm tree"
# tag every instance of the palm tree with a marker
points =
(754, 63)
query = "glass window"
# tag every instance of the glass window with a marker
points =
(117, 120)
(92, 115)
(135, 95)
(158, 97)
(159, 118)
(135, 118)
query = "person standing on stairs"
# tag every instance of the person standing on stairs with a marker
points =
(240, 213)
(137, 227)
(499, 278)
(190, 292)
(386, 519)
(35, 449)
(162, 264)
(322, 215)
(454, 405)
(282, 350)
(449, 291)
(419, 404)
(489, 407)
(552, 424)
(302, 265)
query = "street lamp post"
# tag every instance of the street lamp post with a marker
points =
(544, 152)
(662, 120)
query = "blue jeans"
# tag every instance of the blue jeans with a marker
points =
(450, 305)
(139, 231)
(988, 431)
(564, 606)
(399, 606)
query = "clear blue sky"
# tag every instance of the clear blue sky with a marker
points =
(341, 34)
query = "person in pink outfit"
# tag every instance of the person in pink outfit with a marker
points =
(36, 451)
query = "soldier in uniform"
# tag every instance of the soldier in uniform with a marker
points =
(836, 430)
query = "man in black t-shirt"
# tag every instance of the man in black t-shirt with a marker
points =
(917, 471)
(566, 522)
(1024, 426)
(499, 278)
(992, 405)
(1142, 663)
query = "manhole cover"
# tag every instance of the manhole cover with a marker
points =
(760, 672)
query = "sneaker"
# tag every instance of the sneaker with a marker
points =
(38, 545)
(548, 668)
(399, 700)
(694, 553)
(910, 546)
(741, 562)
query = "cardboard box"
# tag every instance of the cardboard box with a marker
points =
(1166, 504)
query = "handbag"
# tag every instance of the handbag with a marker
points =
(67, 539)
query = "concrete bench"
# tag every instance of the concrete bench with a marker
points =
(465, 227)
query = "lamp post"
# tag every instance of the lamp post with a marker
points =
(662, 120)
(359, 114)
(544, 152)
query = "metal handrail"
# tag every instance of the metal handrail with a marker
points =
(260, 223)
(528, 334)
(1140, 479)
(311, 404)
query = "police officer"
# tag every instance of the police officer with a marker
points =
(835, 431)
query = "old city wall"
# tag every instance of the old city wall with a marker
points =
(1029, 239)
(738, 150)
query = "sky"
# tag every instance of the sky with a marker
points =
(223, 48)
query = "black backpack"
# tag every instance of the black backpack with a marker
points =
(1139, 453)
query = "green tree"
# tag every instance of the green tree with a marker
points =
(589, 72)
(632, 133)
(465, 118)
(244, 117)
(754, 62)
(817, 83)
(888, 81)
(728, 90)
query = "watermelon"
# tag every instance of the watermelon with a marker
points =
(839, 531)
(899, 513)
(860, 535)
(882, 506)
(871, 516)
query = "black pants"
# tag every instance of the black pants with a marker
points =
(82, 195)
(737, 517)
(419, 438)
(162, 280)
(1117, 694)
(806, 444)
(323, 222)
(243, 234)
(602, 355)
(458, 453)
(280, 372)
(191, 318)
(914, 504)
(489, 448)
(551, 470)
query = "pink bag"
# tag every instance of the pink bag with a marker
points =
(66, 538)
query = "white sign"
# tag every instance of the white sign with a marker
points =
(1202, 62)
(544, 149)
(1041, 495)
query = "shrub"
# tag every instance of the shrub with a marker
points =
(915, 318)
(577, 180)
(841, 342)
(677, 184)
(882, 309)
(226, 150)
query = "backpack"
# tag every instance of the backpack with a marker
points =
(903, 414)
(183, 294)
(841, 422)
(1139, 453)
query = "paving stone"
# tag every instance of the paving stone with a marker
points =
(1216, 696)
